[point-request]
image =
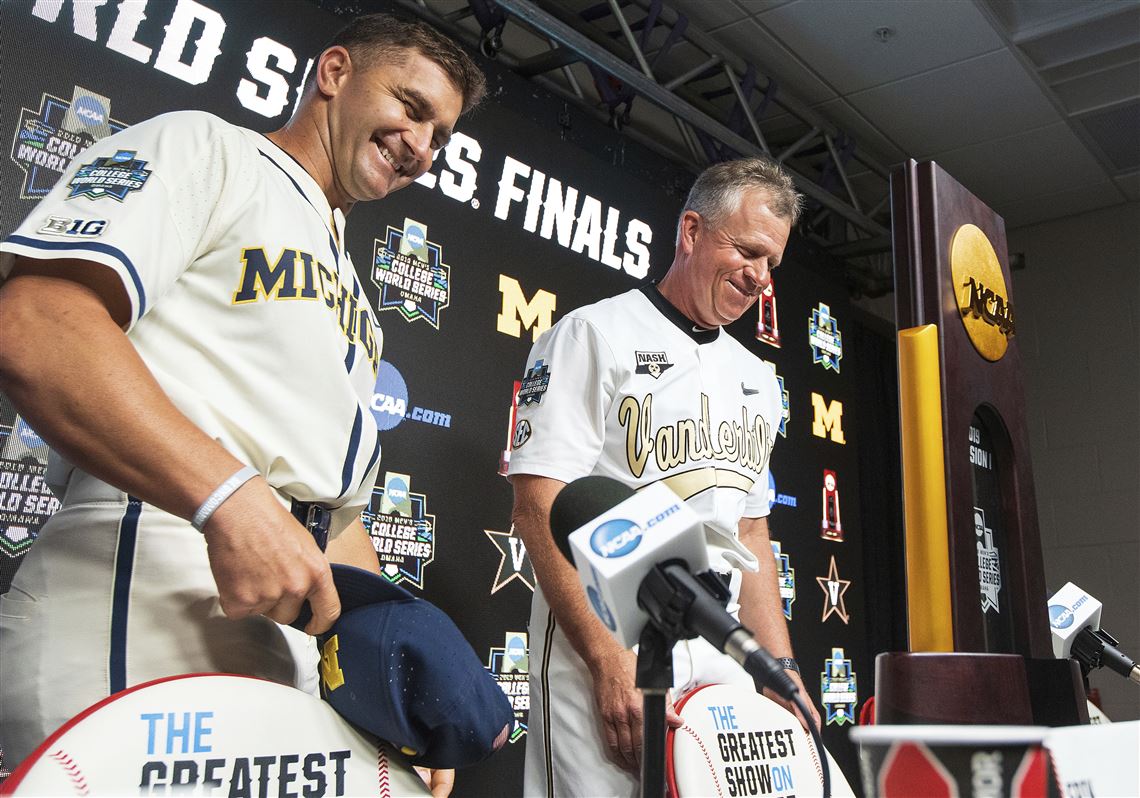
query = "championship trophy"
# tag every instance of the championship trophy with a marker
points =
(505, 457)
(831, 526)
(767, 326)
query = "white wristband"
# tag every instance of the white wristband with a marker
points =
(220, 494)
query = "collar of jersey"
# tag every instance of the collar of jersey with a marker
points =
(679, 319)
(305, 184)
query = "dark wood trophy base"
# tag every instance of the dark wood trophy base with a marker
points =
(965, 688)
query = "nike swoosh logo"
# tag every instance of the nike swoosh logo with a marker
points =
(749, 391)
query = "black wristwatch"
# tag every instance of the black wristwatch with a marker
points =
(788, 664)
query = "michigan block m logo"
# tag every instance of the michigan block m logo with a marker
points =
(537, 314)
(828, 418)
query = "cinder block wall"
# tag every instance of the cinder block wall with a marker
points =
(1077, 306)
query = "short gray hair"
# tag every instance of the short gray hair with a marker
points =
(717, 190)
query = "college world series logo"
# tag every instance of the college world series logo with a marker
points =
(838, 692)
(410, 273)
(989, 563)
(785, 578)
(785, 407)
(825, 339)
(510, 666)
(47, 139)
(401, 529)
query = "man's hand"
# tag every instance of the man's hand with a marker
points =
(788, 705)
(440, 782)
(266, 563)
(620, 705)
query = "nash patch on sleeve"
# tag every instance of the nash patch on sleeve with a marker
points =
(113, 177)
(534, 384)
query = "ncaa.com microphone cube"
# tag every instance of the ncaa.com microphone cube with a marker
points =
(615, 551)
(1071, 609)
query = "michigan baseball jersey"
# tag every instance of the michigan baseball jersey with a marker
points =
(245, 306)
(628, 388)
(248, 312)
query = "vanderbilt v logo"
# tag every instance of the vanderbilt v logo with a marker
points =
(828, 418)
(536, 314)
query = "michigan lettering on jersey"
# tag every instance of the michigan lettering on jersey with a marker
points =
(297, 275)
(748, 443)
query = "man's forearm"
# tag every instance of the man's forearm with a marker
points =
(760, 607)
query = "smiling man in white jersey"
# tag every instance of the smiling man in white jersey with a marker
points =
(646, 387)
(180, 321)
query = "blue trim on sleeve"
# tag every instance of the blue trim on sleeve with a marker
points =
(350, 456)
(350, 356)
(121, 594)
(375, 456)
(106, 249)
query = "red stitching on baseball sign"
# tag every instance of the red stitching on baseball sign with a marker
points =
(72, 770)
(708, 760)
(382, 773)
(815, 759)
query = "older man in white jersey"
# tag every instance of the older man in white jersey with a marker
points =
(616, 377)
(201, 360)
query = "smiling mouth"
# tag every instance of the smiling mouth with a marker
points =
(386, 154)
(742, 292)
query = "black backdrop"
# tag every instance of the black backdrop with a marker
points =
(448, 423)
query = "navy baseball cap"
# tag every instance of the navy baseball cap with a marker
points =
(396, 666)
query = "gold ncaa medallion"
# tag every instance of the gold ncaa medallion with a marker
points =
(980, 292)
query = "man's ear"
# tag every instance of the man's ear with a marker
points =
(690, 229)
(333, 68)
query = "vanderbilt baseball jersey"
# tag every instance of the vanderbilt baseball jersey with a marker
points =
(628, 388)
(244, 304)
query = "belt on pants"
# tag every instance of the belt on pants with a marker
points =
(314, 518)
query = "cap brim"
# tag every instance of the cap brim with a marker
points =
(356, 587)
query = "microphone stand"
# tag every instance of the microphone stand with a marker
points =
(668, 606)
(654, 678)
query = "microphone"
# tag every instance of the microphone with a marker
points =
(1074, 617)
(636, 554)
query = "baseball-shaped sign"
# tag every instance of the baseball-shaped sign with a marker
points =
(212, 734)
(736, 742)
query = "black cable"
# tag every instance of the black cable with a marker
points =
(797, 699)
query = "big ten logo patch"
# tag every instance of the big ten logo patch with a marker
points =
(48, 138)
(514, 562)
(827, 418)
(401, 529)
(838, 689)
(410, 273)
(535, 314)
(510, 665)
